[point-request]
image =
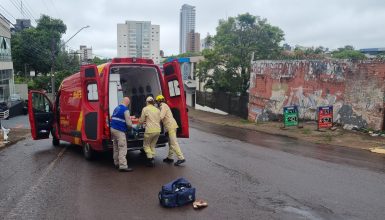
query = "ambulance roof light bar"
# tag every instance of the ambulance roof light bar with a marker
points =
(132, 60)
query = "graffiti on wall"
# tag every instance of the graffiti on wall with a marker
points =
(356, 94)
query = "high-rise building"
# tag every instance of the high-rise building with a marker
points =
(21, 24)
(85, 54)
(187, 25)
(139, 39)
(155, 44)
(193, 42)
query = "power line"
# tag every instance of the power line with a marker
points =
(27, 14)
(27, 10)
(33, 51)
(7, 12)
(26, 3)
(15, 5)
(57, 12)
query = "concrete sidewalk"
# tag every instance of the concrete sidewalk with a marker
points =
(339, 137)
(15, 135)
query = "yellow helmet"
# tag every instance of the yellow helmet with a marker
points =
(159, 98)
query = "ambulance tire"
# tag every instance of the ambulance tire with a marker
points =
(88, 152)
(55, 142)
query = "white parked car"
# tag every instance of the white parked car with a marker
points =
(15, 97)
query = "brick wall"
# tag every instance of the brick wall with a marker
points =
(355, 89)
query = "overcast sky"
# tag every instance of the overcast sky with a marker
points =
(328, 23)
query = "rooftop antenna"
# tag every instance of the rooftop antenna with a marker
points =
(21, 9)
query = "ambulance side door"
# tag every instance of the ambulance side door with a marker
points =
(41, 116)
(174, 94)
(92, 111)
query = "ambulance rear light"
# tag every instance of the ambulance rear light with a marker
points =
(132, 60)
(106, 125)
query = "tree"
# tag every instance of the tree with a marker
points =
(305, 53)
(98, 60)
(236, 40)
(36, 47)
(348, 52)
(187, 54)
(40, 49)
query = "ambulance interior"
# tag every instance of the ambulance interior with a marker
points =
(136, 82)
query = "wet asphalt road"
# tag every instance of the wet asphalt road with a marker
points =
(242, 175)
(20, 121)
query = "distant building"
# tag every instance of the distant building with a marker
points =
(286, 47)
(299, 47)
(373, 51)
(139, 39)
(85, 54)
(155, 43)
(188, 70)
(187, 25)
(205, 43)
(193, 42)
(6, 64)
(21, 24)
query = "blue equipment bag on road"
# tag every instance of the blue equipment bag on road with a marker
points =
(177, 193)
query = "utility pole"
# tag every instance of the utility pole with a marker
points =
(53, 67)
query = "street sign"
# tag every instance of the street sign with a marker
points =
(290, 115)
(325, 117)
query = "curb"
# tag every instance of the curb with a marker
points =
(249, 129)
(279, 135)
(6, 145)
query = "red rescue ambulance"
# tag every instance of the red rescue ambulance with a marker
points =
(85, 101)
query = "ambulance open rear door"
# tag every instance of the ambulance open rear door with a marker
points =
(92, 112)
(174, 94)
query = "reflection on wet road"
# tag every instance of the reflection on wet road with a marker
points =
(242, 175)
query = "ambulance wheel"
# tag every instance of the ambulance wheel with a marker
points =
(87, 151)
(55, 142)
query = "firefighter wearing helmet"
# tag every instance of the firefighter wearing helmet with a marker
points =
(170, 126)
(151, 117)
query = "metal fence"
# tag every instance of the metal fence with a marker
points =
(232, 104)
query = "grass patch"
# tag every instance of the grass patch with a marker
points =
(328, 138)
(306, 131)
(244, 121)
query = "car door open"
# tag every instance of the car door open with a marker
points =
(40, 115)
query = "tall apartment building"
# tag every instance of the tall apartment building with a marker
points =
(6, 64)
(193, 42)
(85, 54)
(21, 24)
(139, 39)
(187, 25)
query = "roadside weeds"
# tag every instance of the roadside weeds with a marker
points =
(309, 132)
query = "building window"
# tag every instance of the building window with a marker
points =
(5, 49)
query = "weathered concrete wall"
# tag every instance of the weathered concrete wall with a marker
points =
(356, 90)
(22, 90)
